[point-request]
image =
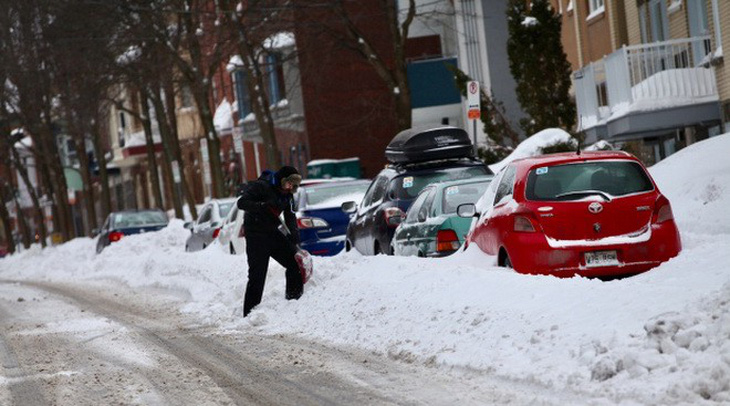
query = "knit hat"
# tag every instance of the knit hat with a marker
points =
(286, 172)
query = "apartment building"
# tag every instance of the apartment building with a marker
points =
(661, 81)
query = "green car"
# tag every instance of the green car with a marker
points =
(431, 227)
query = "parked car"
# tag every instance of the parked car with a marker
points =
(418, 158)
(590, 214)
(322, 223)
(128, 222)
(432, 228)
(206, 228)
(231, 237)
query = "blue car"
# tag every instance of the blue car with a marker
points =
(322, 223)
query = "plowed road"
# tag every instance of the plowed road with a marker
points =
(105, 344)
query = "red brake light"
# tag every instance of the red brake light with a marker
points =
(216, 232)
(664, 214)
(393, 216)
(115, 236)
(523, 224)
(447, 240)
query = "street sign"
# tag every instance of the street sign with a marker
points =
(473, 100)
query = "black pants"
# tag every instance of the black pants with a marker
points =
(259, 248)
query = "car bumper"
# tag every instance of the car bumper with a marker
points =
(532, 254)
(324, 247)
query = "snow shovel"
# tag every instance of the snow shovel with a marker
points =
(304, 260)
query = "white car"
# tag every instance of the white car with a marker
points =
(231, 238)
(206, 229)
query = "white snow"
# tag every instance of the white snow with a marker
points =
(531, 146)
(529, 21)
(223, 117)
(279, 40)
(662, 337)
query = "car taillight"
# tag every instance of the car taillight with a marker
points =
(523, 224)
(115, 236)
(446, 240)
(311, 222)
(216, 232)
(664, 214)
(393, 216)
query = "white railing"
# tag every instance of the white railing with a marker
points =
(647, 76)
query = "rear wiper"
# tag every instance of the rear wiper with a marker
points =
(604, 195)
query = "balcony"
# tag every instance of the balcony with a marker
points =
(648, 89)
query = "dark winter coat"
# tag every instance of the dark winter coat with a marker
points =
(262, 201)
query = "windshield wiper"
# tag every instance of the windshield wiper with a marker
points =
(604, 195)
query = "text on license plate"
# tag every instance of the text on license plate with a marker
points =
(601, 258)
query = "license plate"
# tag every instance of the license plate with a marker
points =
(601, 258)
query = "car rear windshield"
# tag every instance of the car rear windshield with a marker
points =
(453, 196)
(139, 219)
(334, 196)
(224, 208)
(581, 180)
(408, 186)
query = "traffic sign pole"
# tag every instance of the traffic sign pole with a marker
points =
(474, 109)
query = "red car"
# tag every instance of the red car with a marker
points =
(594, 214)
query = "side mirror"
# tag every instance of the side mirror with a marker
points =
(467, 210)
(349, 207)
(188, 225)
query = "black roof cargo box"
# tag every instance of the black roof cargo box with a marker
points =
(429, 144)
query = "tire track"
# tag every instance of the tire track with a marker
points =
(24, 388)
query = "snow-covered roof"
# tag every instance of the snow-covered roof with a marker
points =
(279, 40)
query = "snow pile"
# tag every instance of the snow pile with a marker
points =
(697, 182)
(532, 145)
(662, 337)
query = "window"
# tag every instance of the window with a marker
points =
(415, 208)
(595, 7)
(243, 99)
(379, 191)
(186, 96)
(426, 208)
(275, 78)
(409, 185)
(576, 181)
(223, 209)
(505, 185)
(454, 196)
(205, 215)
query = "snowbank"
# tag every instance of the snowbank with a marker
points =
(531, 146)
(662, 337)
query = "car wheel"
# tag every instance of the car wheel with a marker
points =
(504, 259)
(348, 245)
(203, 246)
(376, 249)
(233, 250)
(187, 249)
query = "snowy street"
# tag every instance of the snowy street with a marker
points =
(146, 323)
(99, 344)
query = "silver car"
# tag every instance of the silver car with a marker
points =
(204, 230)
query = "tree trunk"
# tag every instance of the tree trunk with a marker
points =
(24, 230)
(151, 159)
(169, 92)
(259, 99)
(5, 218)
(23, 171)
(106, 201)
(214, 143)
(165, 135)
